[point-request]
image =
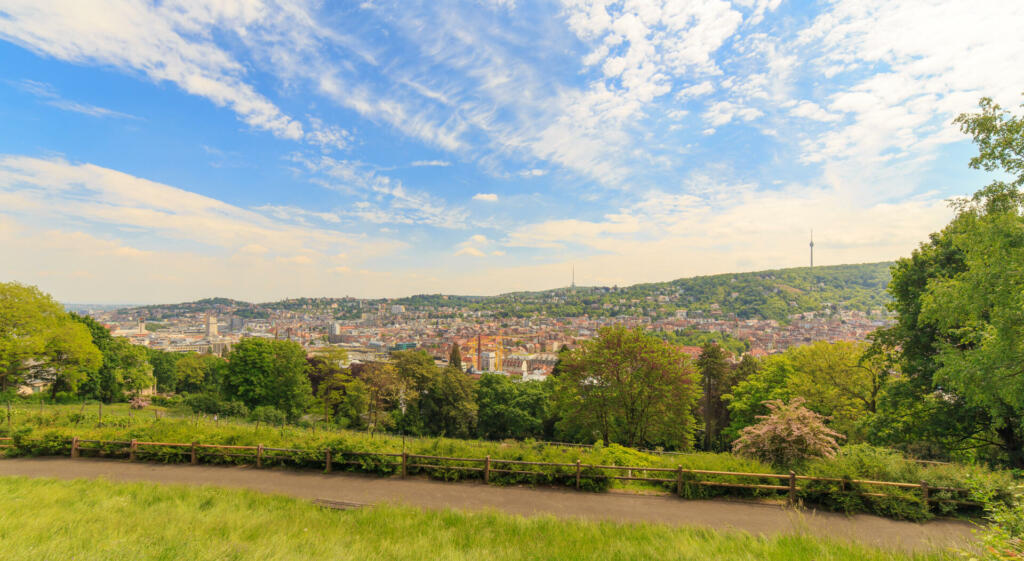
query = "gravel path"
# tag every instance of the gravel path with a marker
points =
(755, 518)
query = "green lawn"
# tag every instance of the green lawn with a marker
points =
(43, 519)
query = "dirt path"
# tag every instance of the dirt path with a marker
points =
(718, 514)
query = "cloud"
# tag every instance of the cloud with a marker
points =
(532, 172)
(486, 197)
(470, 251)
(58, 192)
(385, 200)
(49, 95)
(430, 163)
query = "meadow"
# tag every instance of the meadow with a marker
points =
(101, 520)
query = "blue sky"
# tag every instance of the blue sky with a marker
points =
(257, 149)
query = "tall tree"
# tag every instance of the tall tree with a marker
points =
(27, 318)
(716, 380)
(507, 409)
(125, 369)
(455, 357)
(68, 357)
(630, 387)
(959, 338)
(448, 406)
(264, 372)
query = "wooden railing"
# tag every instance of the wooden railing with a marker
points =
(573, 474)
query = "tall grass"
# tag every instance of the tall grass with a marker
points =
(44, 519)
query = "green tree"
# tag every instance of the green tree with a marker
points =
(746, 399)
(448, 406)
(264, 372)
(125, 370)
(840, 381)
(67, 358)
(716, 380)
(959, 339)
(163, 364)
(455, 357)
(28, 320)
(507, 409)
(627, 386)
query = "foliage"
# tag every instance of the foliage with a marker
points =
(716, 376)
(48, 433)
(693, 337)
(267, 414)
(39, 341)
(960, 300)
(125, 368)
(788, 435)
(263, 372)
(448, 406)
(1003, 537)
(86, 520)
(455, 357)
(630, 387)
(747, 398)
(508, 409)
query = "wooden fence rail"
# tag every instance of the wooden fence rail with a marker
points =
(577, 471)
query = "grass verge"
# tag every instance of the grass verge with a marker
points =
(99, 520)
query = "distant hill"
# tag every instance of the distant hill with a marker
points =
(775, 294)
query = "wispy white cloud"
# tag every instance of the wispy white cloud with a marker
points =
(384, 199)
(431, 163)
(486, 197)
(50, 96)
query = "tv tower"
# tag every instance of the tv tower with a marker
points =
(573, 285)
(812, 248)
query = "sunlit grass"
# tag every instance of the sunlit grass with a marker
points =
(43, 519)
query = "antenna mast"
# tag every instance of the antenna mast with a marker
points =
(812, 248)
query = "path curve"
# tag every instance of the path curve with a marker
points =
(765, 519)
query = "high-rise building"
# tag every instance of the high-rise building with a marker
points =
(211, 325)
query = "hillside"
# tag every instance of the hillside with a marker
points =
(775, 294)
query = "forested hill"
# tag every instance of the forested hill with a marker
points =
(775, 294)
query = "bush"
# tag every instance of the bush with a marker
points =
(788, 435)
(203, 403)
(234, 409)
(267, 414)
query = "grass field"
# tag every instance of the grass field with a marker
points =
(43, 519)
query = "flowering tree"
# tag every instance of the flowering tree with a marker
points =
(788, 434)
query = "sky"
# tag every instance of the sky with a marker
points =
(263, 149)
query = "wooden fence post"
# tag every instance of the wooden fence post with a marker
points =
(926, 494)
(405, 464)
(578, 471)
(74, 447)
(328, 462)
(679, 481)
(792, 488)
(259, 456)
(131, 450)
(487, 470)
(194, 459)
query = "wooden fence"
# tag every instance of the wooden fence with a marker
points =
(483, 468)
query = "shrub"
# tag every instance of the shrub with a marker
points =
(788, 435)
(203, 403)
(1003, 537)
(267, 414)
(138, 402)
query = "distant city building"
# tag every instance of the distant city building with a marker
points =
(211, 326)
